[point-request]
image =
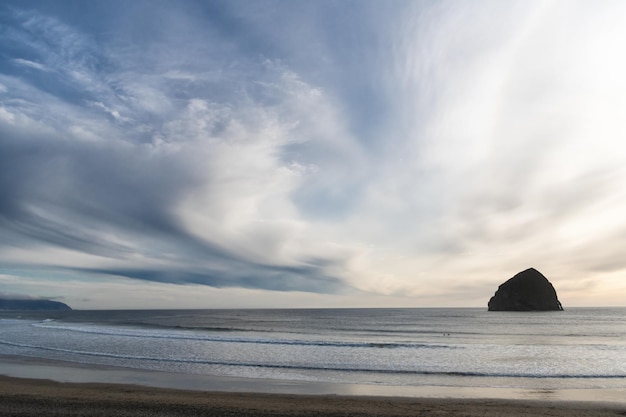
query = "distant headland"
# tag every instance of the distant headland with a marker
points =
(32, 304)
(529, 290)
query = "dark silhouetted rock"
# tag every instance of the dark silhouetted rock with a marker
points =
(527, 291)
(29, 304)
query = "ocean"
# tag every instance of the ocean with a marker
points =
(448, 347)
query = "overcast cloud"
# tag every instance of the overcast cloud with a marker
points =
(274, 153)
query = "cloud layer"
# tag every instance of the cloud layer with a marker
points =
(356, 148)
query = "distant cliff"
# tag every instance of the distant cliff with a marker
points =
(27, 304)
(527, 291)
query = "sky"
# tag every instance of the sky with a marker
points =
(295, 153)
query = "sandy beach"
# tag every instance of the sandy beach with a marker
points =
(43, 398)
(41, 388)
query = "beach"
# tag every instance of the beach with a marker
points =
(36, 388)
(43, 398)
(402, 362)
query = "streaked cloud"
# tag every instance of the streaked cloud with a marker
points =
(415, 151)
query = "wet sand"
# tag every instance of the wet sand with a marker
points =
(35, 387)
(43, 398)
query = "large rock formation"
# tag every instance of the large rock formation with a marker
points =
(32, 304)
(527, 291)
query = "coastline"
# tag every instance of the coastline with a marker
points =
(43, 398)
(30, 382)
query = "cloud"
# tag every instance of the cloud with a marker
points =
(201, 197)
(10, 296)
(329, 147)
(30, 64)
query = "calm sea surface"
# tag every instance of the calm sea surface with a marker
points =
(576, 348)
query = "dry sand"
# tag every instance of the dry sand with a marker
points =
(42, 398)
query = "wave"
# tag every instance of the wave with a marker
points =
(138, 333)
(322, 368)
(404, 331)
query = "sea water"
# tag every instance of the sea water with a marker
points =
(575, 348)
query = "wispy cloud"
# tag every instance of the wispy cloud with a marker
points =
(205, 188)
(344, 148)
(30, 64)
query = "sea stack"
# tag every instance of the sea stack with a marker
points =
(527, 291)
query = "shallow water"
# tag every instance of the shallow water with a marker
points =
(573, 349)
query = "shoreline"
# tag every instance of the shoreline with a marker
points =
(77, 374)
(43, 398)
